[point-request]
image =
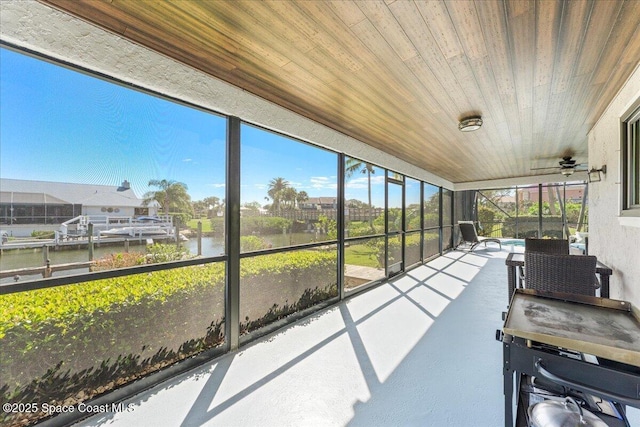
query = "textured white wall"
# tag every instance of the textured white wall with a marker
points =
(614, 240)
(31, 25)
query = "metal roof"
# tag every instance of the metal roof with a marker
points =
(25, 191)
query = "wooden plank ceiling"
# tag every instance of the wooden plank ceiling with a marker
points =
(399, 75)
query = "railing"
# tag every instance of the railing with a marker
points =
(351, 214)
(45, 270)
(122, 225)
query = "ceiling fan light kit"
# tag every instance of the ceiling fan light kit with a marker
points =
(567, 166)
(470, 124)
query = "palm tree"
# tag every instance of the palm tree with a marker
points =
(354, 165)
(302, 197)
(214, 205)
(289, 197)
(276, 188)
(171, 196)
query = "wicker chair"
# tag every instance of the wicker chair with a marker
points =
(469, 235)
(574, 274)
(547, 246)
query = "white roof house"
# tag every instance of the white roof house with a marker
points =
(48, 202)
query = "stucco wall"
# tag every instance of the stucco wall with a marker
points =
(31, 25)
(614, 240)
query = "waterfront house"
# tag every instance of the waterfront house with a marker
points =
(27, 205)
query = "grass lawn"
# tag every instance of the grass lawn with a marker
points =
(206, 224)
(360, 255)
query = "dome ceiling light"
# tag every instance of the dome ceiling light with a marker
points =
(567, 171)
(470, 124)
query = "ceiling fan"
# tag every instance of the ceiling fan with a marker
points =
(567, 166)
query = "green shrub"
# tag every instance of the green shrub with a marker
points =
(263, 225)
(412, 247)
(67, 344)
(362, 228)
(486, 217)
(71, 343)
(412, 244)
(431, 220)
(217, 226)
(252, 243)
(413, 222)
(118, 260)
(330, 226)
(276, 285)
(527, 226)
(165, 252)
(181, 218)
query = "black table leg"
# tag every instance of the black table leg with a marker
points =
(604, 285)
(508, 386)
(511, 275)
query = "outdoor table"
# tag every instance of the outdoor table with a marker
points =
(515, 260)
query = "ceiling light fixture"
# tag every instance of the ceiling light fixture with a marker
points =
(470, 124)
(567, 171)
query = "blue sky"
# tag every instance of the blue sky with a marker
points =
(61, 125)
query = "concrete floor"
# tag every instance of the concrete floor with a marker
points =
(419, 350)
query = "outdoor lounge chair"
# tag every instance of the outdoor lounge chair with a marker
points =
(573, 274)
(469, 236)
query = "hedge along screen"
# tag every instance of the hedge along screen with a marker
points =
(67, 344)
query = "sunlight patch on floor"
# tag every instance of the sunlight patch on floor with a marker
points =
(447, 285)
(431, 301)
(389, 335)
(362, 304)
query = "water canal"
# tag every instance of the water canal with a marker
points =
(211, 246)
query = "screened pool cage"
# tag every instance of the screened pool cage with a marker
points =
(553, 210)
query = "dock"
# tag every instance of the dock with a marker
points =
(45, 270)
(81, 242)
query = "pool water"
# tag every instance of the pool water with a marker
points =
(513, 242)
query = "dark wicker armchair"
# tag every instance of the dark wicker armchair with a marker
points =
(548, 246)
(574, 274)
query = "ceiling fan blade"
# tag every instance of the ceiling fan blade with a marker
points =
(549, 167)
(566, 166)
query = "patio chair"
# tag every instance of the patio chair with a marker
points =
(573, 274)
(469, 235)
(548, 246)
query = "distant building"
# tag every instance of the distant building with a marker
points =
(572, 194)
(24, 202)
(319, 203)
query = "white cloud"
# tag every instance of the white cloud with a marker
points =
(322, 182)
(362, 182)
